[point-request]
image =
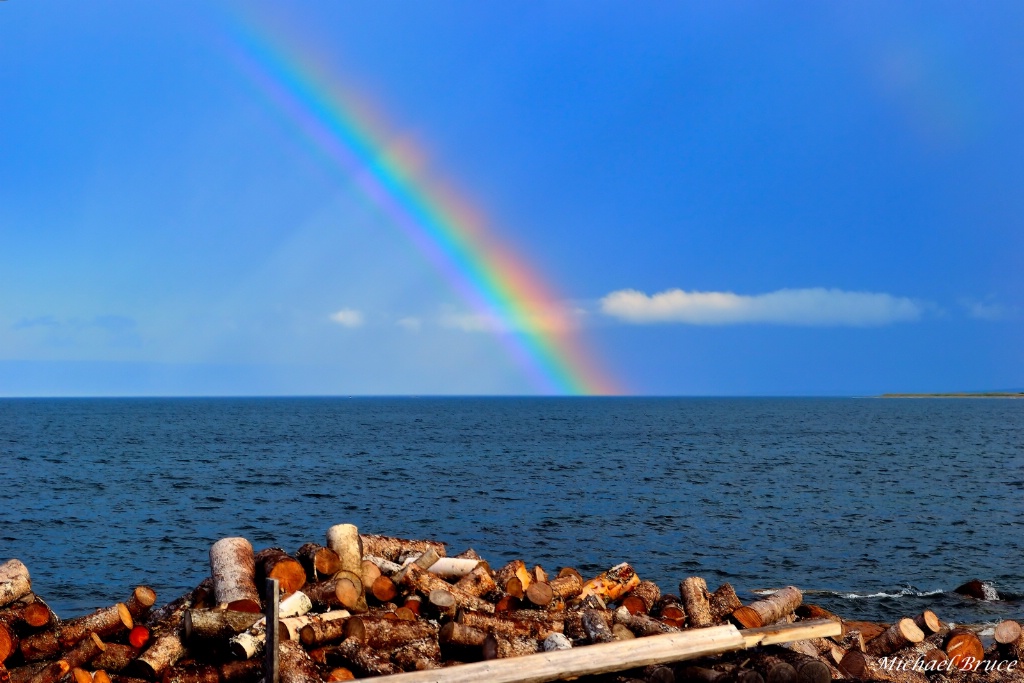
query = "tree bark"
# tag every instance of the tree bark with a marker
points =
(424, 582)
(115, 658)
(362, 658)
(642, 598)
(15, 582)
(694, 592)
(294, 625)
(596, 627)
(141, 601)
(397, 549)
(454, 567)
(506, 647)
(478, 582)
(104, 622)
(166, 649)
(568, 585)
(295, 665)
(216, 625)
(808, 669)
(641, 624)
(868, 629)
(388, 634)
(233, 568)
(723, 602)
(768, 611)
(454, 633)
(419, 655)
(510, 626)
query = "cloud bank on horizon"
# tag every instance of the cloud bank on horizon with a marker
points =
(802, 307)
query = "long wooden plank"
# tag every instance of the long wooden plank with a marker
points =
(787, 633)
(620, 655)
(593, 659)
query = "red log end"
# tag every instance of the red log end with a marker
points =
(138, 636)
(747, 617)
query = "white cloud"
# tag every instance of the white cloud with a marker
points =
(808, 307)
(988, 310)
(410, 323)
(348, 317)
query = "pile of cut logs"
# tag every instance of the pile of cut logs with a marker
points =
(366, 605)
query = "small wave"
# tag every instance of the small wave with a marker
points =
(906, 591)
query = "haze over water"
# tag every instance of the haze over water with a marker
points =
(900, 500)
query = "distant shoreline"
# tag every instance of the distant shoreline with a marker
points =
(980, 394)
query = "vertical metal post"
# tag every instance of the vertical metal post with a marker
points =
(271, 666)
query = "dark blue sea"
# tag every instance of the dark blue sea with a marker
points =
(877, 508)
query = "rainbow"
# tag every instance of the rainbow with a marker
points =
(504, 292)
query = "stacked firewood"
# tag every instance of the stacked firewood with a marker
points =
(364, 605)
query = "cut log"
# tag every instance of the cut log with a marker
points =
(612, 584)
(28, 612)
(621, 632)
(104, 622)
(540, 594)
(808, 668)
(501, 647)
(867, 629)
(767, 611)
(511, 626)
(641, 624)
(293, 625)
(363, 659)
(8, 642)
(424, 582)
(344, 540)
(348, 588)
(478, 582)
(138, 636)
(80, 676)
(275, 563)
(141, 601)
(670, 610)
(694, 592)
(699, 674)
(388, 634)
(320, 632)
(324, 593)
(420, 655)
(87, 649)
(1007, 631)
(383, 589)
(454, 633)
(964, 648)
(295, 665)
(216, 625)
(252, 641)
(397, 549)
(773, 669)
(928, 622)
(898, 636)
(596, 627)
(443, 603)
(658, 673)
(516, 573)
(115, 658)
(568, 585)
(539, 574)
(51, 673)
(318, 561)
(40, 646)
(469, 554)
(642, 598)
(164, 651)
(453, 567)
(724, 602)
(369, 573)
(233, 568)
(15, 582)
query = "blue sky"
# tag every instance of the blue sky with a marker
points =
(810, 198)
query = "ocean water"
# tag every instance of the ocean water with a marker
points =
(876, 508)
